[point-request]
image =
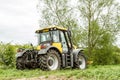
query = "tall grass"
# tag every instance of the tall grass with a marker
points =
(108, 72)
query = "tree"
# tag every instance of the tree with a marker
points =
(54, 13)
(58, 12)
(100, 18)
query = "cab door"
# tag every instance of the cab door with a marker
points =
(63, 42)
(56, 40)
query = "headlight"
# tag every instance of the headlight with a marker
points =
(43, 46)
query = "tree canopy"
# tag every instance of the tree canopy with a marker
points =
(94, 23)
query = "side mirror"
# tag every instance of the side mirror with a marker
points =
(32, 46)
(69, 33)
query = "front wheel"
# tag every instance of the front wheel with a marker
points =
(81, 61)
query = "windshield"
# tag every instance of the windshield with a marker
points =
(48, 36)
(44, 37)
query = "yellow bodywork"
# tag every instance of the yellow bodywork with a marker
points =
(38, 47)
(51, 27)
(57, 45)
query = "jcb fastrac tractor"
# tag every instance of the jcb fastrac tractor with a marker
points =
(55, 51)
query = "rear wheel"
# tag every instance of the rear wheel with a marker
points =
(50, 61)
(81, 63)
(20, 63)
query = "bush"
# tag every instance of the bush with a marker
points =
(116, 58)
(7, 54)
(104, 52)
(103, 57)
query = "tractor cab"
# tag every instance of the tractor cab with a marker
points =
(54, 36)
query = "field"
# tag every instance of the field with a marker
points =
(107, 72)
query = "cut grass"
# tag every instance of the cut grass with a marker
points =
(107, 72)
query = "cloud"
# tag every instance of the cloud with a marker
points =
(18, 20)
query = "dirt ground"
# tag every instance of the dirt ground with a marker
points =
(50, 78)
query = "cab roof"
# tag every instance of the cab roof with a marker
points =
(50, 28)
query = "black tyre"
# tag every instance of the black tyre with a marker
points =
(81, 62)
(20, 64)
(50, 61)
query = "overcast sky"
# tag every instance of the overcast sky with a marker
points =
(18, 21)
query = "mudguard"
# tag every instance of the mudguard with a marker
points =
(19, 54)
(44, 51)
(75, 54)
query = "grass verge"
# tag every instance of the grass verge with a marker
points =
(107, 72)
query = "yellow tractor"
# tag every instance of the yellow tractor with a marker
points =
(55, 51)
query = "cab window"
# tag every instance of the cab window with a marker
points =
(44, 37)
(55, 35)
